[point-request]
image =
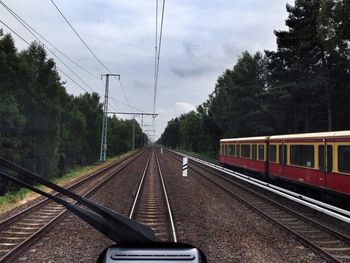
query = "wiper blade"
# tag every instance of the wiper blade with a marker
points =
(115, 226)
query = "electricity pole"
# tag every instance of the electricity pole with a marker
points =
(133, 133)
(133, 124)
(105, 118)
(141, 143)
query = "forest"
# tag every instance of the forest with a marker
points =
(303, 86)
(42, 127)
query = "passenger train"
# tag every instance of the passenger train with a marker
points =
(317, 160)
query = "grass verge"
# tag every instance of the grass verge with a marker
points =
(12, 200)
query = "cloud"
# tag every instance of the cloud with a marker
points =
(173, 111)
(201, 39)
(190, 70)
(184, 107)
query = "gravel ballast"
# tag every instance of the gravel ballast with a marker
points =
(73, 240)
(205, 216)
(225, 229)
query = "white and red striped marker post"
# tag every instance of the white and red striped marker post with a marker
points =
(184, 166)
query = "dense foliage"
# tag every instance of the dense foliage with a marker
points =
(304, 86)
(42, 127)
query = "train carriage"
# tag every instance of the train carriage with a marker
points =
(248, 153)
(317, 159)
(320, 160)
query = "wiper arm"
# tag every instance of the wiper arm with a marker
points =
(115, 226)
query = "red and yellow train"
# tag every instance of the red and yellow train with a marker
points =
(320, 160)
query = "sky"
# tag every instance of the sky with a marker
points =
(201, 39)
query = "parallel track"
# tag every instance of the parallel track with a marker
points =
(20, 230)
(151, 203)
(332, 245)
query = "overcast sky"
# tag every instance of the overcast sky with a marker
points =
(201, 38)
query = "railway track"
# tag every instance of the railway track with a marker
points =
(151, 203)
(329, 243)
(20, 230)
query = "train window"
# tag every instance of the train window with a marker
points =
(273, 150)
(245, 150)
(282, 154)
(322, 157)
(238, 150)
(261, 152)
(302, 155)
(307, 155)
(254, 151)
(344, 158)
(232, 149)
(295, 156)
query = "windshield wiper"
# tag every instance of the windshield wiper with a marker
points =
(115, 226)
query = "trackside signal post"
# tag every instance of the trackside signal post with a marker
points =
(104, 120)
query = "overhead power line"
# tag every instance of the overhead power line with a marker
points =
(27, 42)
(120, 102)
(157, 51)
(90, 50)
(59, 69)
(22, 21)
(9, 28)
(155, 56)
(81, 39)
(26, 26)
(35, 34)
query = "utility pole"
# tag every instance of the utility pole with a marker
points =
(142, 125)
(133, 133)
(141, 143)
(105, 118)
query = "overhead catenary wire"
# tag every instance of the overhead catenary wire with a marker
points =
(81, 39)
(157, 51)
(158, 44)
(24, 24)
(58, 68)
(14, 32)
(36, 35)
(27, 42)
(45, 39)
(90, 50)
(155, 55)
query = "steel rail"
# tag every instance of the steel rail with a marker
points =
(139, 188)
(339, 237)
(149, 200)
(322, 207)
(24, 212)
(60, 215)
(167, 202)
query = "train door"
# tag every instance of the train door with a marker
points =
(282, 152)
(325, 163)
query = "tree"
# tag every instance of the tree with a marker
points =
(237, 102)
(170, 136)
(306, 70)
(42, 127)
(11, 128)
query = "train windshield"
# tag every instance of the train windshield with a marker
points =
(211, 128)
